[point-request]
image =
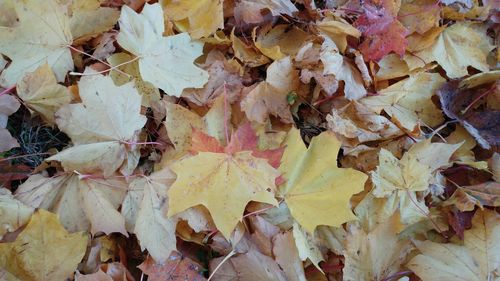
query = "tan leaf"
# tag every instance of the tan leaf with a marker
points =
(41, 93)
(82, 204)
(14, 213)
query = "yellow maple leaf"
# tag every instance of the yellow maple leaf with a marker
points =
(375, 255)
(476, 260)
(41, 93)
(44, 250)
(89, 19)
(101, 126)
(166, 62)
(145, 210)
(316, 190)
(82, 204)
(408, 102)
(457, 47)
(338, 31)
(43, 35)
(200, 18)
(13, 213)
(224, 183)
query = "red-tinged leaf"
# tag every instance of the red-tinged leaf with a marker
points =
(176, 268)
(9, 173)
(243, 139)
(459, 221)
(382, 32)
(202, 142)
(273, 156)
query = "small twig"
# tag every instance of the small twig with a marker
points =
(8, 90)
(97, 59)
(397, 274)
(232, 253)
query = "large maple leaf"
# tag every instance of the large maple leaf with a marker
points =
(102, 127)
(316, 190)
(166, 62)
(42, 35)
(44, 250)
(382, 31)
(224, 179)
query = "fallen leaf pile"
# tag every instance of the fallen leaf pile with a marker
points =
(249, 140)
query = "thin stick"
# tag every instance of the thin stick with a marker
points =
(115, 68)
(97, 59)
(428, 215)
(477, 99)
(8, 90)
(232, 253)
(22, 156)
(225, 114)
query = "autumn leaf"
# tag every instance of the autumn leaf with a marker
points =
(269, 97)
(222, 181)
(82, 204)
(43, 36)
(44, 250)
(41, 93)
(338, 31)
(457, 47)
(375, 255)
(408, 102)
(89, 19)
(176, 268)
(101, 127)
(166, 62)
(382, 31)
(8, 105)
(199, 18)
(145, 210)
(475, 260)
(14, 213)
(316, 190)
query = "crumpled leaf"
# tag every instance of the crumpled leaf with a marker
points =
(101, 126)
(145, 210)
(200, 18)
(42, 36)
(14, 214)
(457, 47)
(176, 268)
(375, 255)
(336, 64)
(41, 93)
(107, 272)
(148, 92)
(270, 96)
(382, 31)
(483, 123)
(279, 41)
(246, 53)
(224, 79)
(224, 180)
(306, 245)
(82, 204)
(44, 250)
(408, 102)
(475, 260)
(316, 190)
(354, 123)
(8, 105)
(247, 266)
(166, 62)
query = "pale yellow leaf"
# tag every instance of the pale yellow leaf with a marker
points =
(89, 19)
(44, 250)
(338, 31)
(108, 117)
(42, 36)
(13, 213)
(82, 204)
(166, 62)
(41, 93)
